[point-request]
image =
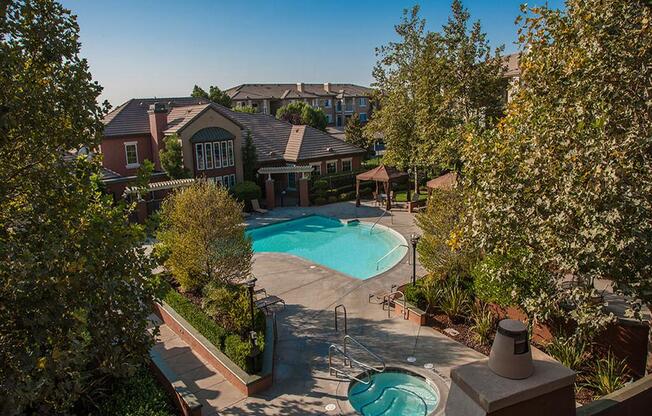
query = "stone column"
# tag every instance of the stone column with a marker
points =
(141, 211)
(304, 196)
(478, 391)
(269, 193)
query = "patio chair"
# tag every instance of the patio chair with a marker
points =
(256, 207)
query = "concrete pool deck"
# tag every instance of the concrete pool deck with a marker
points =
(302, 383)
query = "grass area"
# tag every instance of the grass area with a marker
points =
(141, 395)
(401, 196)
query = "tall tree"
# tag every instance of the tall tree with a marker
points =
(74, 284)
(201, 228)
(214, 94)
(299, 112)
(249, 158)
(172, 158)
(353, 133)
(569, 173)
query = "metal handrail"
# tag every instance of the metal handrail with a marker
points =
(359, 344)
(332, 369)
(377, 221)
(346, 330)
(388, 298)
(390, 252)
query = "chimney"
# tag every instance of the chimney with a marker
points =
(327, 86)
(158, 121)
(300, 86)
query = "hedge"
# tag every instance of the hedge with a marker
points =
(239, 350)
(246, 191)
(140, 395)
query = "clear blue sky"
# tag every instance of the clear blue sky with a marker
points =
(149, 48)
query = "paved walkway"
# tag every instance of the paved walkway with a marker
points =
(302, 384)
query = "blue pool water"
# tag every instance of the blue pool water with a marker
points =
(394, 393)
(352, 249)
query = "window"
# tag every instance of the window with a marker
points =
(329, 118)
(327, 103)
(315, 102)
(362, 102)
(218, 180)
(338, 121)
(228, 181)
(217, 161)
(346, 165)
(231, 158)
(338, 106)
(208, 151)
(331, 166)
(199, 155)
(131, 154)
(316, 168)
(363, 117)
(348, 104)
(225, 161)
(231, 180)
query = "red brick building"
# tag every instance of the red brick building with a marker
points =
(212, 137)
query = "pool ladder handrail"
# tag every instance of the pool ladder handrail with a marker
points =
(350, 361)
(390, 297)
(390, 252)
(346, 329)
(380, 218)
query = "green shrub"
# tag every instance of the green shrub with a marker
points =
(454, 301)
(346, 196)
(246, 191)
(415, 295)
(141, 395)
(320, 201)
(229, 306)
(196, 317)
(506, 280)
(239, 350)
(570, 352)
(482, 323)
(332, 199)
(607, 375)
(160, 253)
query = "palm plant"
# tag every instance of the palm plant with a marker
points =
(454, 301)
(483, 322)
(568, 351)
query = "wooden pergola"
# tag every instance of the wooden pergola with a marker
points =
(381, 174)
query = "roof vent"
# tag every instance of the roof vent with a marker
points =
(158, 108)
(271, 153)
(329, 149)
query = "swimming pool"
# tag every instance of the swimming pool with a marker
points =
(394, 393)
(353, 249)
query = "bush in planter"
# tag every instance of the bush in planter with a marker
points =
(229, 306)
(246, 191)
(455, 301)
(607, 375)
(332, 199)
(239, 351)
(415, 295)
(140, 395)
(570, 352)
(320, 201)
(483, 323)
(320, 188)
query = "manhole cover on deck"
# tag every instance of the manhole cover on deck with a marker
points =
(411, 359)
(330, 407)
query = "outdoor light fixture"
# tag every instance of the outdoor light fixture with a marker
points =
(251, 284)
(414, 240)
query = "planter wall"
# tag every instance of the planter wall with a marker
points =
(632, 400)
(247, 384)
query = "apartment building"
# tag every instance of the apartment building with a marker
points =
(511, 71)
(338, 101)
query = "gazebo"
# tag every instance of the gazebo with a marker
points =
(447, 182)
(381, 174)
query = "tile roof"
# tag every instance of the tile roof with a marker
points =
(275, 140)
(511, 65)
(131, 116)
(282, 91)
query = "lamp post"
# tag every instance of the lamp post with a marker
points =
(414, 240)
(251, 283)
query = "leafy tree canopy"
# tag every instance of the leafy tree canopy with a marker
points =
(432, 88)
(568, 175)
(249, 158)
(201, 229)
(76, 288)
(353, 133)
(214, 94)
(301, 113)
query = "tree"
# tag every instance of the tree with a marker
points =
(249, 158)
(214, 94)
(433, 88)
(75, 285)
(300, 113)
(353, 133)
(245, 109)
(201, 228)
(172, 158)
(568, 175)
